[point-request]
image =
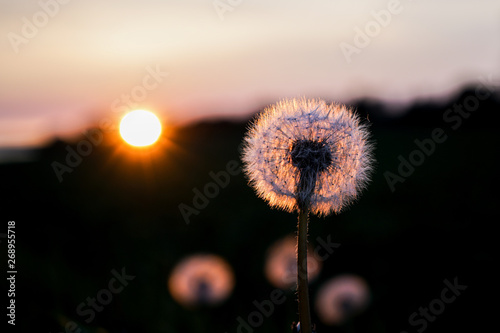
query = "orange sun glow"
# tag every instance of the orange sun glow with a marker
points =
(140, 128)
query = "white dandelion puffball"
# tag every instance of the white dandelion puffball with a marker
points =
(341, 298)
(303, 150)
(202, 279)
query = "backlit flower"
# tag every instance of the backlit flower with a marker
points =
(341, 298)
(307, 152)
(281, 263)
(203, 279)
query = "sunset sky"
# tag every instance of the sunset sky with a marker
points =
(74, 63)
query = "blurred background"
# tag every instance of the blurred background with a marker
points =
(116, 238)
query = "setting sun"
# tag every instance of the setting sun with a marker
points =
(140, 128)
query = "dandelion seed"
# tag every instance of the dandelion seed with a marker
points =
(308, 152)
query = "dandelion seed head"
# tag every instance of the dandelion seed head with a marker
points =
(307, 151)
(202, 279)
(341, 298)
(309, 154)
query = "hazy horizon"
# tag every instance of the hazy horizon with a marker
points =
(67, 65)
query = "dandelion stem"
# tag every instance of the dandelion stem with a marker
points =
(302, 283)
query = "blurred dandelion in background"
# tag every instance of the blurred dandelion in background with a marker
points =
(202, 279)
(281, 263)
(341, 298)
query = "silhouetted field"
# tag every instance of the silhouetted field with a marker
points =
(117, 209)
